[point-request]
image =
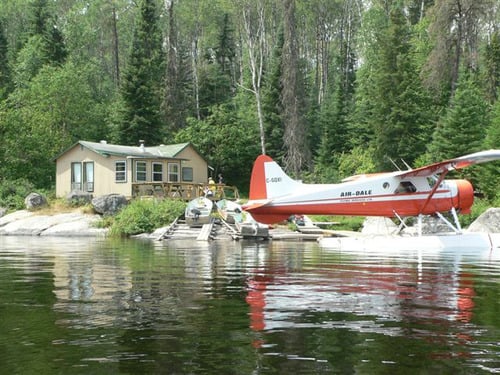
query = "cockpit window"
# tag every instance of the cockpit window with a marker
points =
(405, 187)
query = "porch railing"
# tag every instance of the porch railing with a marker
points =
(184, 191)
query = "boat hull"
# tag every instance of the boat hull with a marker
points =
(198, 212)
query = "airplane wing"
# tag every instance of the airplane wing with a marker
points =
(457, 163)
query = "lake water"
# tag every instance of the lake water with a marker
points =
(87, 306)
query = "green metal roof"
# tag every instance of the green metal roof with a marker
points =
(156, 152)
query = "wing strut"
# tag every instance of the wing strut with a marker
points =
(434, 189)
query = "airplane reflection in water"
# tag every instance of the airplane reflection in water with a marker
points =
(362, 297)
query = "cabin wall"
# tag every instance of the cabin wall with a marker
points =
(105, 170)
(195, 161)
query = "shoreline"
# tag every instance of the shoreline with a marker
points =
(78, 224)
(32, 223)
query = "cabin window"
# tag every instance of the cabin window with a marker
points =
(121, 171)
(88, 176)
(140, 171)
(405, 187)
(76, 176)
(157, 172)
(187, 174)
(173, 172)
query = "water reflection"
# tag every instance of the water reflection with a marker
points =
(102, 306)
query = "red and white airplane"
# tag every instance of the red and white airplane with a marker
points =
(274, 196)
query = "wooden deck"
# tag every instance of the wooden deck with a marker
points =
(183, 190)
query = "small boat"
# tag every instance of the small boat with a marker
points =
(230, 211)
(198, 212)
(250, 228)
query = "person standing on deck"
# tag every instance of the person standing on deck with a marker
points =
(211, 186)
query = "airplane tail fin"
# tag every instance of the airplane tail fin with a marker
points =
(269, 181)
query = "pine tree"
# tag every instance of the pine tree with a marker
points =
(141, 117)
(297, 154)
(4, 65)
(177, 98)
(43, 23)
(271, 105)
(217, 80)
(491, 71)
(490, 178)
(395, 108)
(462, 129)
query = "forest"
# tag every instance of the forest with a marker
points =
(328, 88)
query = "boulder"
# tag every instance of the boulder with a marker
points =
(489, 222)
(378, 225)
(109, 204)
(34, 201)
(78, 198)
(3, 211)
(77, 226)
(28, 223)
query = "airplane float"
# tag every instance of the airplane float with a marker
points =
(274, 196)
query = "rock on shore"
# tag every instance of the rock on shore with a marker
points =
(489, 222)
(27, 223)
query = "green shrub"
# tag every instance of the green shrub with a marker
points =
(13, 193)
(479, 206)
(352, 223)
(144, 216)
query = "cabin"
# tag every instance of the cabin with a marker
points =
(175, 170)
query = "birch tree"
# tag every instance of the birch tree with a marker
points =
(253, 15)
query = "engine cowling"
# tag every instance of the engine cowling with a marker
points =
(465, 196)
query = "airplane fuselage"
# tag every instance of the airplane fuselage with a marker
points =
(383, 195)
(274, 195)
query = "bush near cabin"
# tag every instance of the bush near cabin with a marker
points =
(144, 216)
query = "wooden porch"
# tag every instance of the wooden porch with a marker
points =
(183, 190)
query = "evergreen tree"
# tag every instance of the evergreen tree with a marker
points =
(217, 80)
(141, 118)
(490, 178)
(394, 105)
(225, 52)
(334, 119)
(43, 23)
(177, 98)
(44, 45)
(462, 129)
(297, 151)
(334, 140)
(4, 65)
(271, 105)
(491, 71)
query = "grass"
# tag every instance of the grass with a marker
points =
(350, 223)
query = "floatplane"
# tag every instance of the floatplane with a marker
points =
(274, 197)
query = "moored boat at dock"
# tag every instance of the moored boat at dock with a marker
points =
(198, 212)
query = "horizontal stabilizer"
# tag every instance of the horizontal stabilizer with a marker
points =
(252, 205)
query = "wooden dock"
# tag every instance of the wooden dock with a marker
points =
(219, 229)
